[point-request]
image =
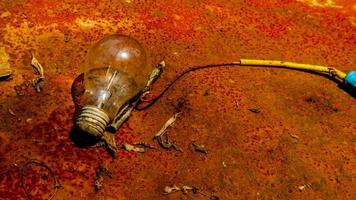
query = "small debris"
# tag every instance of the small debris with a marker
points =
(144, 98)
(311, 100)
(11, 112)
(101, 171)
(200, 148)
(254, 110)
(39, 71)
(214, 198)
(294, 136)
(109, 142)
(224, 164)
(66, 37)
(237, 104)
(166, 143)
(185, 189)
(129, 147)
(98, 183)
(171, 189)
(303, 187)
(159, 136)
(145, 145)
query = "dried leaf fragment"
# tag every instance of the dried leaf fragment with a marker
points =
(129, 147)
(168, 123)
(165, 143)
(39, 71)
(110, 143)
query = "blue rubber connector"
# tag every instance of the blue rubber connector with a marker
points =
(350, 79)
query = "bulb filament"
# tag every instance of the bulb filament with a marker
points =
(107, 92)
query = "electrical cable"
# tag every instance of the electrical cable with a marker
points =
(349, 79)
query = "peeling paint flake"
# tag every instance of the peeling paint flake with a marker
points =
(26, 34)
(87, 24)
(4, 63)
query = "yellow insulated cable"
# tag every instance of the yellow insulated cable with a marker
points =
(293, 65)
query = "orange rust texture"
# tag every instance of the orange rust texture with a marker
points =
(300, 146)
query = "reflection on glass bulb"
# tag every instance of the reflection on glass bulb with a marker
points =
(116, 69)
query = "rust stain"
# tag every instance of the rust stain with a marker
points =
(251, 155)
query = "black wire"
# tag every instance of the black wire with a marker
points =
(51, 173)
(191, 69)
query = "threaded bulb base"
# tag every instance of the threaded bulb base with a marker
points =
(92, 120)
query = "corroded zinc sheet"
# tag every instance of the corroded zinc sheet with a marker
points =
(269, 133)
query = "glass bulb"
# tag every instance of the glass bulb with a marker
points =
(116, 69)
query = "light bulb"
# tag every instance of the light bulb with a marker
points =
(116, 70)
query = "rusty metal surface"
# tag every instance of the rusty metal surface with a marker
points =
(300, 146)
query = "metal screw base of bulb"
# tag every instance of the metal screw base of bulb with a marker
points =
(92, 120)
